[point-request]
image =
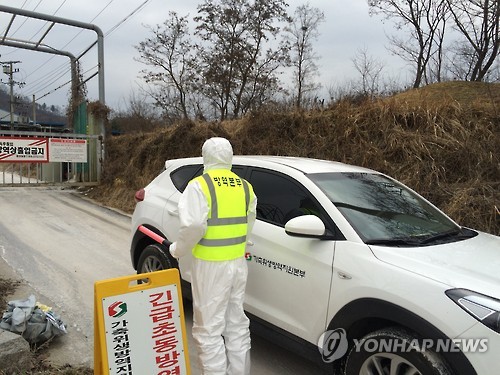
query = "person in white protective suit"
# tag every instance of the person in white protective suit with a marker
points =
(217, 212)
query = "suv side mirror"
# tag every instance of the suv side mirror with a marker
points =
(305, 226)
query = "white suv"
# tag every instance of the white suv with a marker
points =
(350, 261)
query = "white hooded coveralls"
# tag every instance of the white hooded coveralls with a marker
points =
(220, 326)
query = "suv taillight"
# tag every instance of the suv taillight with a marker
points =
(139, 195)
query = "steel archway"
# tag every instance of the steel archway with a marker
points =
(63, 21)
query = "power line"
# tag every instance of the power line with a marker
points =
(52, 77)
(62, 85)
(44, 77)
(25, 20)
(47, 22)
(136, 10)
(8, 68)
(57, 73)
(76, 35)
(5, 29)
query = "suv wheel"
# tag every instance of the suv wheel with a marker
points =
(366, 358)
(155, 258)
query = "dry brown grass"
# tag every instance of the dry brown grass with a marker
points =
(441, 140)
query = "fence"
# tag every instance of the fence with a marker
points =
(37, 158)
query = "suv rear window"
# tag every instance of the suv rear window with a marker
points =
(181, 176)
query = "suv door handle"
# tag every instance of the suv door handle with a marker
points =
(344, 276)
(173, 212)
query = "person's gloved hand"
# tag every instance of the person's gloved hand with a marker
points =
(171, 250)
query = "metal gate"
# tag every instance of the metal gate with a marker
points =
(38, 158)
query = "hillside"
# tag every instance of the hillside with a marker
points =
(24, 107)
(441, 140)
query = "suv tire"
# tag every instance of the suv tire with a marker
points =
(376, 362)
(155, 258)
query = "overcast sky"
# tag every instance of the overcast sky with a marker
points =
(347, 29)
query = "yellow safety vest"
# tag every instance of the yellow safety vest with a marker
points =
(228, 198)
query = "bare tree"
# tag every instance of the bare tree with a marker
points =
(426, 20)
(238, 71)
(370, 70)
(478, 21)
(436, 65)
(138, 106)
(302, 31)
(138, 116)
(170, 53)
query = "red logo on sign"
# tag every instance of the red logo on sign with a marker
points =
(117, 309)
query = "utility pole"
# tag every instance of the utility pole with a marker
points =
(34, 111)
(8, 68)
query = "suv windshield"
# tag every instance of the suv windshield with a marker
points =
(383, 211)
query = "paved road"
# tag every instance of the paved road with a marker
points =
(61, 244)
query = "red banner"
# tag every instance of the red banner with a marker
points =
(24, 150)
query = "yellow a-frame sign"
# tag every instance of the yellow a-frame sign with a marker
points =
(140, 328)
